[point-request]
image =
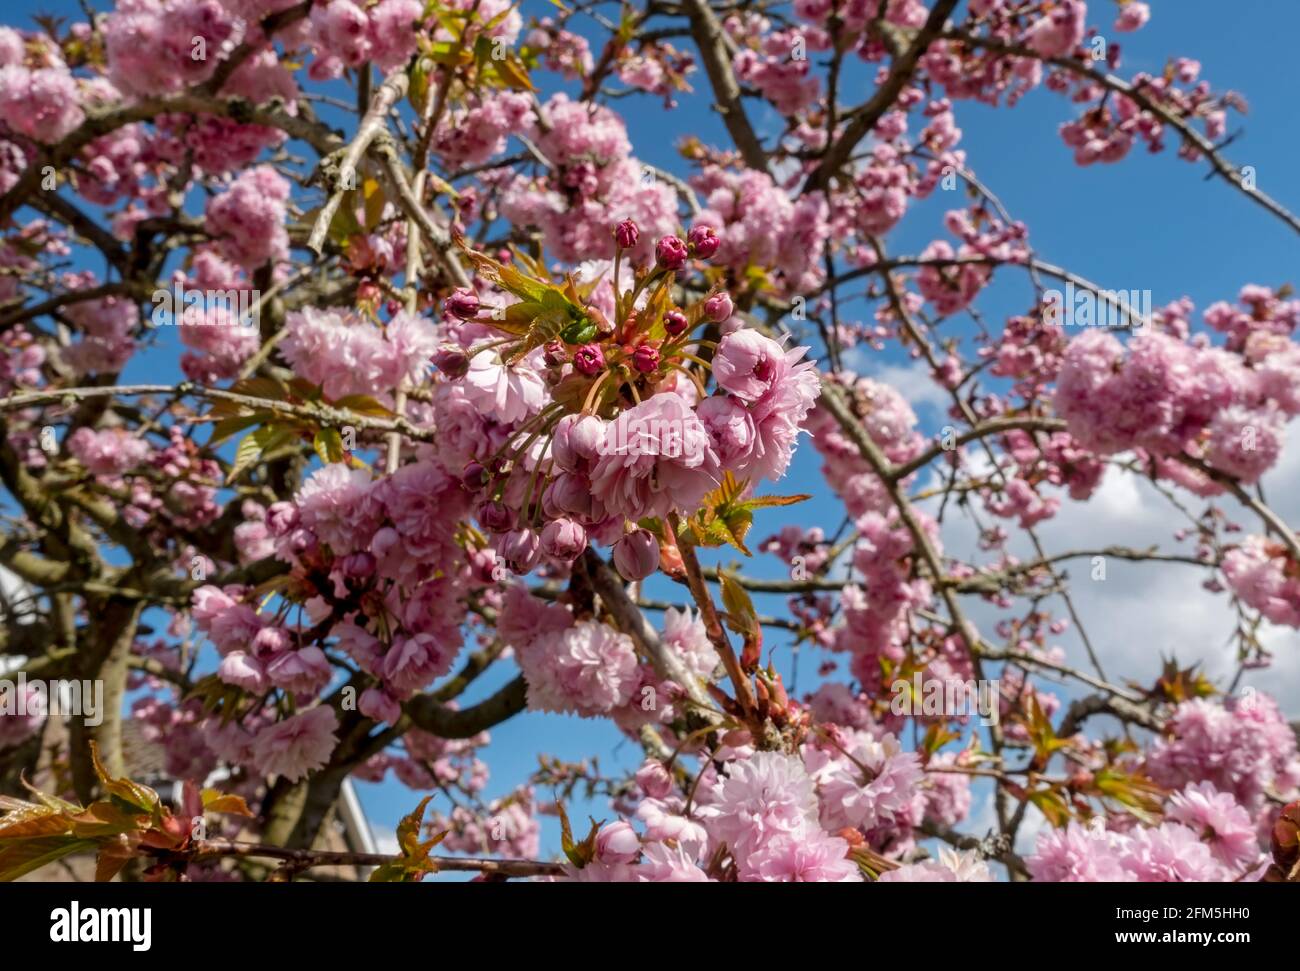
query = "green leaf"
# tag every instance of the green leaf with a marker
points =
(133, 794)
(235, 423)
(741, 616)
(413, 863)
(329, 445)
(23, 857)
(579, 854)
(362, 404)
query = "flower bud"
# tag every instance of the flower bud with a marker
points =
(475, 477)
(617, 843)
(646, 359)
(281, 517)
(719, 307)
(553, 353)
(704, 242)
(569, 494)
(671, 253)
(1286, 837)
(359, 565)
(453, 363)
(626, 234)
(577, 441)
(303, 542)
(563, 539)
(636, 555)
(675, 322)
(589, 360)
(654, 780)
(462, 303)
(495, 517)
(521, 549)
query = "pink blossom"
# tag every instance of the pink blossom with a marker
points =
(658, 458)
(110, 451)
(247, 220)
(587, 668)
(337, 505)
(297, 745)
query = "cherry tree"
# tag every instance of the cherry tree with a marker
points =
(353, 357)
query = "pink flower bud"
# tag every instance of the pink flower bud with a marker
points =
(654, 780)
(553, 353)
(495, 517)
(563, 539)
(617, 843)
(671, 253)
(474, 477)
(636, 555)
(626, 234)
(646, 359)
(569, 495)
(675, 322)
(577, 441)
(281, 517)
(521, 549)
(719, 307)
(359, 565)
(453, 363)
(462, 303)
(704, 242)
(589, 360)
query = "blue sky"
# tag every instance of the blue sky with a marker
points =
(1150, 222)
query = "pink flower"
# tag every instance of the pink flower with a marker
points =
(748, 364)
(814, 858)
(247, 220)
(462, 303)
(508, 393)
(1222, 823)
(851, 800)
(703, 241)
(731, 429)
(243, 671)
(664, 864)
(42, 104)
(305, 671)
(1169, 853)
(1262, 573)
(1133, 15)
(588, 668)
(112, 451)
(336, 504)
(1060, 30)
(1246, 442)
(414, 661)
(296, 746)
(1076, 854)
(657, 458)
(760, 798)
